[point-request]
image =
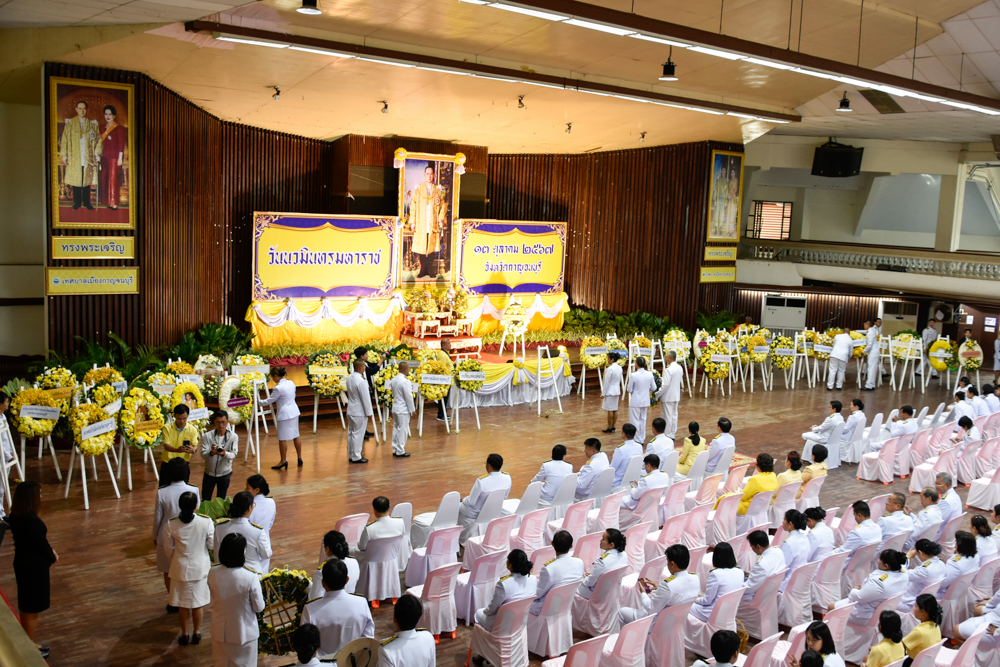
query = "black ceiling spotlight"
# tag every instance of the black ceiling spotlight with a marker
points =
(569, 127)
(642, 137)
(277, 93)
(309, 7)
(669, 69)
(845, 104)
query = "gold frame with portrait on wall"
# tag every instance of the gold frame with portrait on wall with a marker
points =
(413, 264)
(102, 195)
(725, 198)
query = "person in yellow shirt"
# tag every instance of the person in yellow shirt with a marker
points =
(816, 469)
(444, 356)
(928, 633)
(180, 439)
(694, 444)
(793, 471)
(765, 480)
(890, 649)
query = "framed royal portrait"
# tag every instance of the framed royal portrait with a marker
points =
(91, 154)
(428, 209)
(725, 196)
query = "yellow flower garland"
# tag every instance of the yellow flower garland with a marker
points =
(907, 353)
(103, 395)
(131, 403)
(780, 361)
(616, 345)
(676, 336)
(381, 382)
(940, 363)
(592, 361)
(472, 366)
(433, 392)
(325, 385)
(180, 367)
(970, 363)
(102, 376)
(715, 370)
(59, 377)
(858, 351)
(808, 336)
(29, 427)
(249, 360)
(162, 378)
(822, 339)
(746, 345)
(84, 415)
(642, 341)
(178, 397)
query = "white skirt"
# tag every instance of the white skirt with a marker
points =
(288, 429)
(190, 594)
(611, 403)
(234, 655)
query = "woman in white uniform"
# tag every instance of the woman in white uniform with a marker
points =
(173, 483)
(820, 640)
(519, 584)
(986, 548)
(189, 538)
(820, 535)
(335, 546)
(305, 642)
(237, 598)
(614, 556)
(885, 582)
(612, 391)
(258, 552)
(287, 414)
(723, 578)
(965, 560)
(264, 508)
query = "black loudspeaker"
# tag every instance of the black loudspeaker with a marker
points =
(835, 160)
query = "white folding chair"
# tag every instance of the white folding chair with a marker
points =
(599, 614)
(586, 653)
(810, 495)
(627, 648)
(859, 566)
(551, 632)
(495, 538)
(588, 549)
(954, 603)
(474, 588)
(965, 466)
(379, 577)
(527, 503)
(446, 515)
(734, 481)
(784, 500)
(574, 522)
(725, 460)
(351, 526)
(652, 570)
(722, 523)
(671, 533)
(646, 511)
(851, 451)
(506, 644)
(697, 471)
(982, 584)
(491, 509)
(920, 449)
(760, 654)
(795, 603)
(757, 512)
(668, 464)
(901, 464)
(706, 493)
(946, 538)
(923, 475)
(760, 616)
(633, 470)
(404, 511)
(602, 487)
(877, 466)
(665, 642)
(566, 496)
(437, 594)
(635, 543)
(876, 505)
(694, 533)
(963, 655)
(826, 585)
(698, 635)
(673, 500)
(528, 537)
(441, 549)
(928, 657)
(607, 516)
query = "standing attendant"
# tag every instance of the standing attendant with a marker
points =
(173, 483)
(179, 438)
(237, 599)
(640, 386)
(264, 508)
(218, 448)
(843, 348)
(359, 411)
(612, 391)
(32, 557)
(928, 336)
(402, 409)
(873, 356)
(283, 397)
(258, 552)
(669, 394)
(189, 539)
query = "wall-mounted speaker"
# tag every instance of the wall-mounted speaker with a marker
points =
(835, 160)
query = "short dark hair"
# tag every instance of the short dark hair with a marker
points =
(335, 574)
(558, 452)
(891, 626)
(965, 543)
(628, 430)
(177, 470)
(562, 542)
(758, 538)
(659, 424)
(218, 413)
(724, 644)
(242, 502)
(640, 362)
(114, 111)
(931, 494)
(181, 409)
(725, 424)
(858, 402)
(616, 538)
(821, 631)
(861, 507)
(723, 555)
(815, 513)
(360, 351)
(820, 453)
(794, 460)
(679, 555)
(593, 443)
(335, 541)
(987, 389)
(407, 611)
(380, 504)
(765, 462)
(811, 659)
(652, 460)
(965, 422)
(929, 547)
(494, 461)
(796, 518)
(837, 406)
(963, 380)
(306, 641)
(907, 410)
(278, 371)
(232, 550)
(960, 395)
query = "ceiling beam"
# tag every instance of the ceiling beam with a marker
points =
(567, 83)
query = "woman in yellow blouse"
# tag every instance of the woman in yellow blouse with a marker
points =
(817, 469)
(890, 649)
(928, 633)
(793, 471)
(694, 444)
(765, 480)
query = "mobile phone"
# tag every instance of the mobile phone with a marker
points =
(187, 443)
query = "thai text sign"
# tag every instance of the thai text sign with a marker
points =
(93, 247)
(301, 256)
(497, 257)
(92, 280)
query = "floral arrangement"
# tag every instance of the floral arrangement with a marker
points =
(676, 336)
(326, 385)
(653, 400)
(469, 365)
(160, 378)
(780, 361)
(700, 342)
(179, 395)
(716, 370)
(822, 339)
(858, 351)
(747, 344)
(103, 395)
(423, 302)
(381, 381)
(58, 377)
(808, 336)
(724, 336)
(905, 353)
(135, 402)
(642, 341)
(241, 386)
(249, 360)
(615, 345)
(105, 375)
(213, 383)
(592, 361)
(433, 392)
(180, 367)
(941, 363)
(83, 416)
(426, 354)
(282, 589)
(515, 318)
(208, 362)
(403, 353)
(29, 427)
(971, 362)
(460, 302)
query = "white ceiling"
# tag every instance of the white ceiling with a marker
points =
(43, 13)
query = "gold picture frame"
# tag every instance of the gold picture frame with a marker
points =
(725, 197)
(102, 196)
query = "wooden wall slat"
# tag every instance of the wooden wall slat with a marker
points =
(378, 151)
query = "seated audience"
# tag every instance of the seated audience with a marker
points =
(966, 433)
(335, 546)
(986, 548)
(981, 407)
(652, 479)
(340, 616)
(614, 556)
(816, 469)
(928, 633)
(770, 561)
(890, 649)
(596, 462)
(866, 532)
(819, 434)
(551, 475)
(725, 647)
(949, 502)
(855, 420)
(927, 517)
(764, 481)
(820, 535)
(792, 473)
(383, 525)
(989, 395)
(719, 445)
(517, 585)
(562, 569)
(305, 643)
(925, 567)
(493, 480)
(623, 454)
(887, 580)
(409, 647)
(986, 613)
(964, 561)
(660, 445)
(723, 578)
(796, 547)
(679, 588)
(694, 444)
(894, 520)
(819, 640)
(902, 424)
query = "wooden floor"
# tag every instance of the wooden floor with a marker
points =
(108, 599)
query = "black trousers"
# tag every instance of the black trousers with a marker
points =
(209, 483)
(427, 265)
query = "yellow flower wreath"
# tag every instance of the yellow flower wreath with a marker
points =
(433, 392)
(136, 399)
(84, 415)
(29, 427)
(180, 391)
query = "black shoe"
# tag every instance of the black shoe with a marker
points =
(88, 206)
(367, 437)
(300, 463)
(44, 650)
(196, 638)
(441, 419)
(368, 434)
(76, 206)
(171, 609)
(609, 430)
(183, 640)
(281, 465)
(358, 461)
(400, 456)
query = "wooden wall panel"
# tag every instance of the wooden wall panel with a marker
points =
(378, 151)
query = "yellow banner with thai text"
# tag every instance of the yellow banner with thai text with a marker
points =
(92, 280)
(93, 247)
(718, 274)
(720, 254)
(501, 257)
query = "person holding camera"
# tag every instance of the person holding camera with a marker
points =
(179, 438)
(218, 447)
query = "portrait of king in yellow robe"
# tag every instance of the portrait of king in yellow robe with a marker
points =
(428, 219)
(80, 151)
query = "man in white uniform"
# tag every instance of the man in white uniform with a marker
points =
(652, 479)
(623, 454)
(894, 520)
(669, 394)
(359, 411)
(640, 386)
(928, 516)
(843, 348)
(855, 420)
(551, 475)
(679, 588)
(928, 336)
(383, 526)
(340, 617)
(562, 569)
(961, 408)
(872, 355)
(980, 405)
(409, 647)
(950, 503)
(589, 471)
(902, 424)
(660, 445)
(820, 434)
(402, 409)
(866, 532)
(493, 480)
(770, 561)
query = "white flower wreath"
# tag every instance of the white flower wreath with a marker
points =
(231, 384)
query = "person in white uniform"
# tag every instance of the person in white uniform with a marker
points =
(264, 508)
(359, 411)
(402, 409)
(613, 557)
(493, 480)
(989, 395)
(306, 642)
(981, 407)
(719, 445)
(6, 446)
(928, 516)
(843, 349)
(612, 391)
(340, 616)
(725, 648)
(652, 479)
(987, 614)
(885, 582)
(383, 525)
(894, 520)
(517, 585)
(949, 501)
(680, 587)
(820, 434)
(669, 394)
(173, 483)
(855, 420)
(551, 475)
(287, 414)
(866, 532)
(237, 598)
(965, 560)
(986, 548)
(961, 408)
(189, 538)
(258, 553)
(873, 356)
(562, 569)
(589, 471)
(925, 567)
(820, 648)
(928, 336)
(820, 535)
(623, 454)
(660, 445)
(335, 546)
(724, 577)
(641, 385)
(902, 424)
(966, 433)
(796, 547)
(409, 647)
(770, 561)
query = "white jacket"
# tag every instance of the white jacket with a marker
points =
(359, 401)
(843, 347)
(283, 399)
(236, 600)
(640, 385)
(670, 387)
(188, 545)
(402, 395)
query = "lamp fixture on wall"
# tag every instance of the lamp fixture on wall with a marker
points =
(845, 104)
(520, 101)
(669, 69)
(569, 127)
(309, 7)
(277, 93)
(385, 106)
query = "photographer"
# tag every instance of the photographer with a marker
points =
(179, 438)
(218, 447)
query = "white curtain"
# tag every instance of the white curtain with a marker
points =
(326, 312)
(505, 392)
(536, 306)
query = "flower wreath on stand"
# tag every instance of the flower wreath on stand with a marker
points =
(433, 392)
(282, 589)
(716, 370)
(615, 345)
(642, 341)
(208, 362)
(213, 384)
(822, 339)
(401, 352)
(59, 377)
(241, 386)
(592, 361)
(808, 336)
(135, 403)
(105, 375)
(249, 359)
(469, 365)
(747, 345)
(83, 416)
(700, 343)
(904, 353)
(29, 427)
(515, 327)
(676, 336)
(326, 385)
(178, 397)
(158, 378)
(781, 361)
(425, 354)
(940, 363)
(180, 367)
(381, 381)
(858, 351)
(653, 400)
(970, 363)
